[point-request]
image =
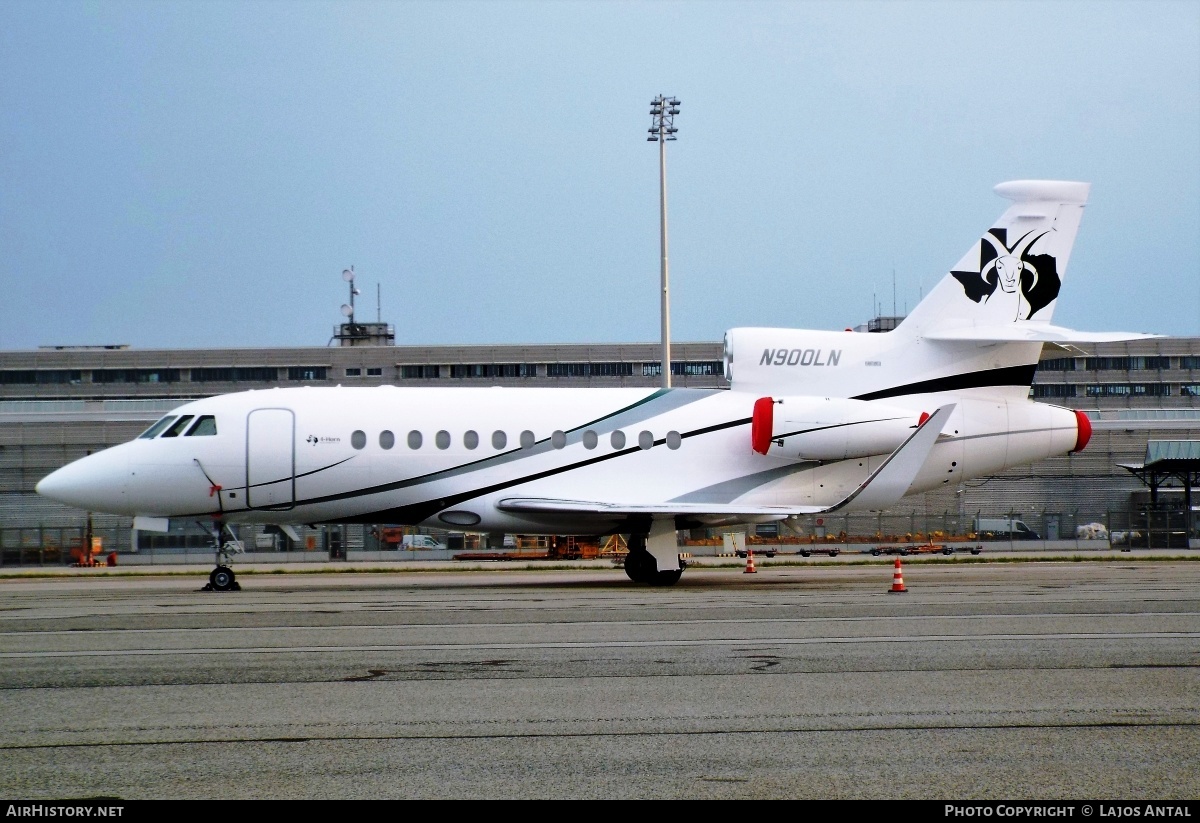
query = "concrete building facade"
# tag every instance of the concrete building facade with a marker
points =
(60, 403)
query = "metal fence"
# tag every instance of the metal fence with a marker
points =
(1136, 527)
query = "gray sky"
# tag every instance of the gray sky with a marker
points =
(198, 174)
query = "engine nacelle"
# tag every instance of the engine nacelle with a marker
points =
(829, 428)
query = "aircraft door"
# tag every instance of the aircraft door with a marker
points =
(271, 459)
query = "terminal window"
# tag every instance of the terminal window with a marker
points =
(306, 373)
(420, 372)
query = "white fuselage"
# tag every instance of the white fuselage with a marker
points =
(447, 457)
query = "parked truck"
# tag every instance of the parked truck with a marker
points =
(1003, 528)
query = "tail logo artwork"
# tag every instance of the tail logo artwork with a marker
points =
(1011, 267)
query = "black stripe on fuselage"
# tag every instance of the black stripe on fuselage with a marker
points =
(1008, 376)
(416, 512)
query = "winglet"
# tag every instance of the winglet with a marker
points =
(891, 480)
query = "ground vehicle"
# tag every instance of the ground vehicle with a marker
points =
(412, 542)
(759, 551)
(925, 548)
(1004, 528)
(397, 537)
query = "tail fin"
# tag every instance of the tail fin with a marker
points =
(1012, 275)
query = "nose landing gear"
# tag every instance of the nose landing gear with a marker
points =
(222, 578)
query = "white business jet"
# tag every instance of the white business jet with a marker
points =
(813, 421)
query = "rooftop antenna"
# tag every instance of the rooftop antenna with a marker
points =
(378, 304)
(348, 308)
(893, 290)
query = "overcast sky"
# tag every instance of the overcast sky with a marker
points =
(198, 174)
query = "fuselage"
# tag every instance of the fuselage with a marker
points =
(447, 457)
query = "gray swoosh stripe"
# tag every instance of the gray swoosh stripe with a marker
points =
(728, 490)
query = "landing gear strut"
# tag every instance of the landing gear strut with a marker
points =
(222, 578)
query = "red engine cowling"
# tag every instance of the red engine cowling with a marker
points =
(762, 424)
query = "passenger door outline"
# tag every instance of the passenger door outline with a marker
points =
(271, 459)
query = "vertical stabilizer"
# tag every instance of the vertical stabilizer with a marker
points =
(1013, 273)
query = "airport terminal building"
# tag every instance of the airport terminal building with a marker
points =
(59, 403)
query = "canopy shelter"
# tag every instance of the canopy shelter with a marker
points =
(1167, 461)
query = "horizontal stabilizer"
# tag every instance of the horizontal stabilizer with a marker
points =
(1030, 333)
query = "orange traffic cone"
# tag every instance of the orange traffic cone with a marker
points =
(750, 562)
(897, 580)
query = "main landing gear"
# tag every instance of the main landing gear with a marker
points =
(642, 567)
(222, 578)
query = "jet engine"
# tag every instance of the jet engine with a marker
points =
(829, 428)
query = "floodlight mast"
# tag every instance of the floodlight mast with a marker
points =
(662, 112)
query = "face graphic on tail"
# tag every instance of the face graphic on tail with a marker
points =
(1031, 279)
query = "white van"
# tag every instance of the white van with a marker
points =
(1006, 528)
(418, 542)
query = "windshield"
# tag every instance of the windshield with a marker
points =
(157, 427)
(178, 427)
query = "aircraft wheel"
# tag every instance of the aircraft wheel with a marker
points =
(669, 578)
(805, 554)
(222, 579)
(640, 567)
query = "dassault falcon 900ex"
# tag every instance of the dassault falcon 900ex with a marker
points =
(813, 421)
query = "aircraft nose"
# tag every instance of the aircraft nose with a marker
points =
(94, 483)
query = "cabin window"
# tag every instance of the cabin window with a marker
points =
(205, 425)
(414, 439)
(375, 372)
(645, 441)
(442, 439)
(674, 440)
(386, 439)
(589, 439)
(527, 439)
(499, 439)
(471, 439)
(617, 439)
(358, 439)
(178, 426)
(558, 439)
(157, 427)
(354, 372)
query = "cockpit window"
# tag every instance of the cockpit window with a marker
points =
(206, 424)
(178, 426)
(157, 427)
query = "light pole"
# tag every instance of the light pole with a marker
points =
(662, 111)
